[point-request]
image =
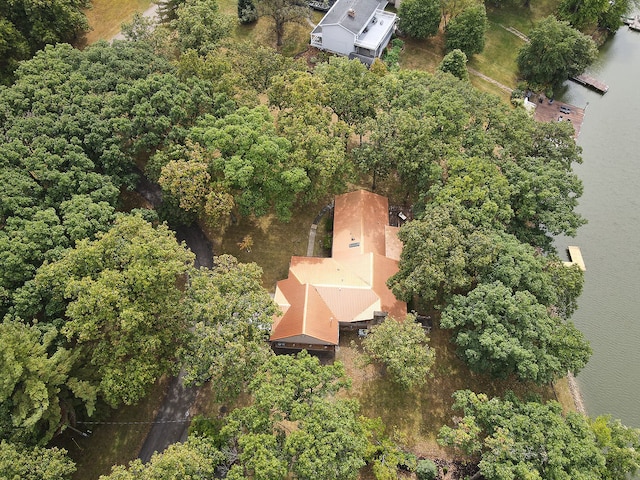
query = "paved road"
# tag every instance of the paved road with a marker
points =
(171, 424)
(175, 412)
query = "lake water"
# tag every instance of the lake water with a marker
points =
(609, 309)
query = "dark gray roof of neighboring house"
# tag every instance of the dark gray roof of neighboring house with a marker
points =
(363, 10)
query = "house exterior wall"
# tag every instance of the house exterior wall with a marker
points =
(384, 43)
(337, 39)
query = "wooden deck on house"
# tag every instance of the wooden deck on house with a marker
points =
(592, 83)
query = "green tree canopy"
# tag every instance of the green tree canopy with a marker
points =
(455, 62)
(620, 445)
(466, 31)
(231, 313)
(419, 18)
(71, 125)
(295, 425)
(401, 347)
(442, 254)
(504, 333)
(555, 52)
(34, 382)
(27, 25)
(252, 162)
(201, 25)
(36, 463)
(518, 439)
(120, 298)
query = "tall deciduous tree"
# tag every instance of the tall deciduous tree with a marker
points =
(555, 52)
(35, 375)
(28, 25)
(583, 14)
(442, 254)
(231, 313)
(504, 333)
(201, 25)
(455, 63)
(282, 12)
(306, 432)
(466, 31)
(120, 296)
(401, 347)
(517, 439)
(352, 90)
(620, 445)
(419, 18)
(254, 163)
(19, 462)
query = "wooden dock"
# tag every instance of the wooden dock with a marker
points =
(633, 23)
(550, 112)
(575, 257)
(591, 82)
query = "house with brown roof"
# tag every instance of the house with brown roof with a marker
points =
(348, 290)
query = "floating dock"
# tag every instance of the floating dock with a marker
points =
(591, 82)
(575, 257)
(633, 23)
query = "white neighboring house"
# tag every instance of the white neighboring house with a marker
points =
(356, 29)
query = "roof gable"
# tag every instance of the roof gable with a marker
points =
(320, 293)
(363, 10)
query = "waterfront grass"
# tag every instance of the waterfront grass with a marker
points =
(414, 418)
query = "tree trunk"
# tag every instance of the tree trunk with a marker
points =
(476, 476)
(279, 32)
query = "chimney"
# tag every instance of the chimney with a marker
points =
(351, 12)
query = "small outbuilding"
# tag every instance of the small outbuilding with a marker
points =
(356, 29)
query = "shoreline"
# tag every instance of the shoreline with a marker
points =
(576, 394)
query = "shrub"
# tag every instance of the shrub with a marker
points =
(426, 470)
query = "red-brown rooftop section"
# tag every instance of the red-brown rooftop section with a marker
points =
(321, 293)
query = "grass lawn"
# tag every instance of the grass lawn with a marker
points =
(106, 16)
(112, 444)
(498, 60)
(414, 418)
(274, 242)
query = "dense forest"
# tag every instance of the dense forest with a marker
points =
(99, 300)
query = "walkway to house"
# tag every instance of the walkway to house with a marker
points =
(490, 80)
(314, 228)
(517, 33)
